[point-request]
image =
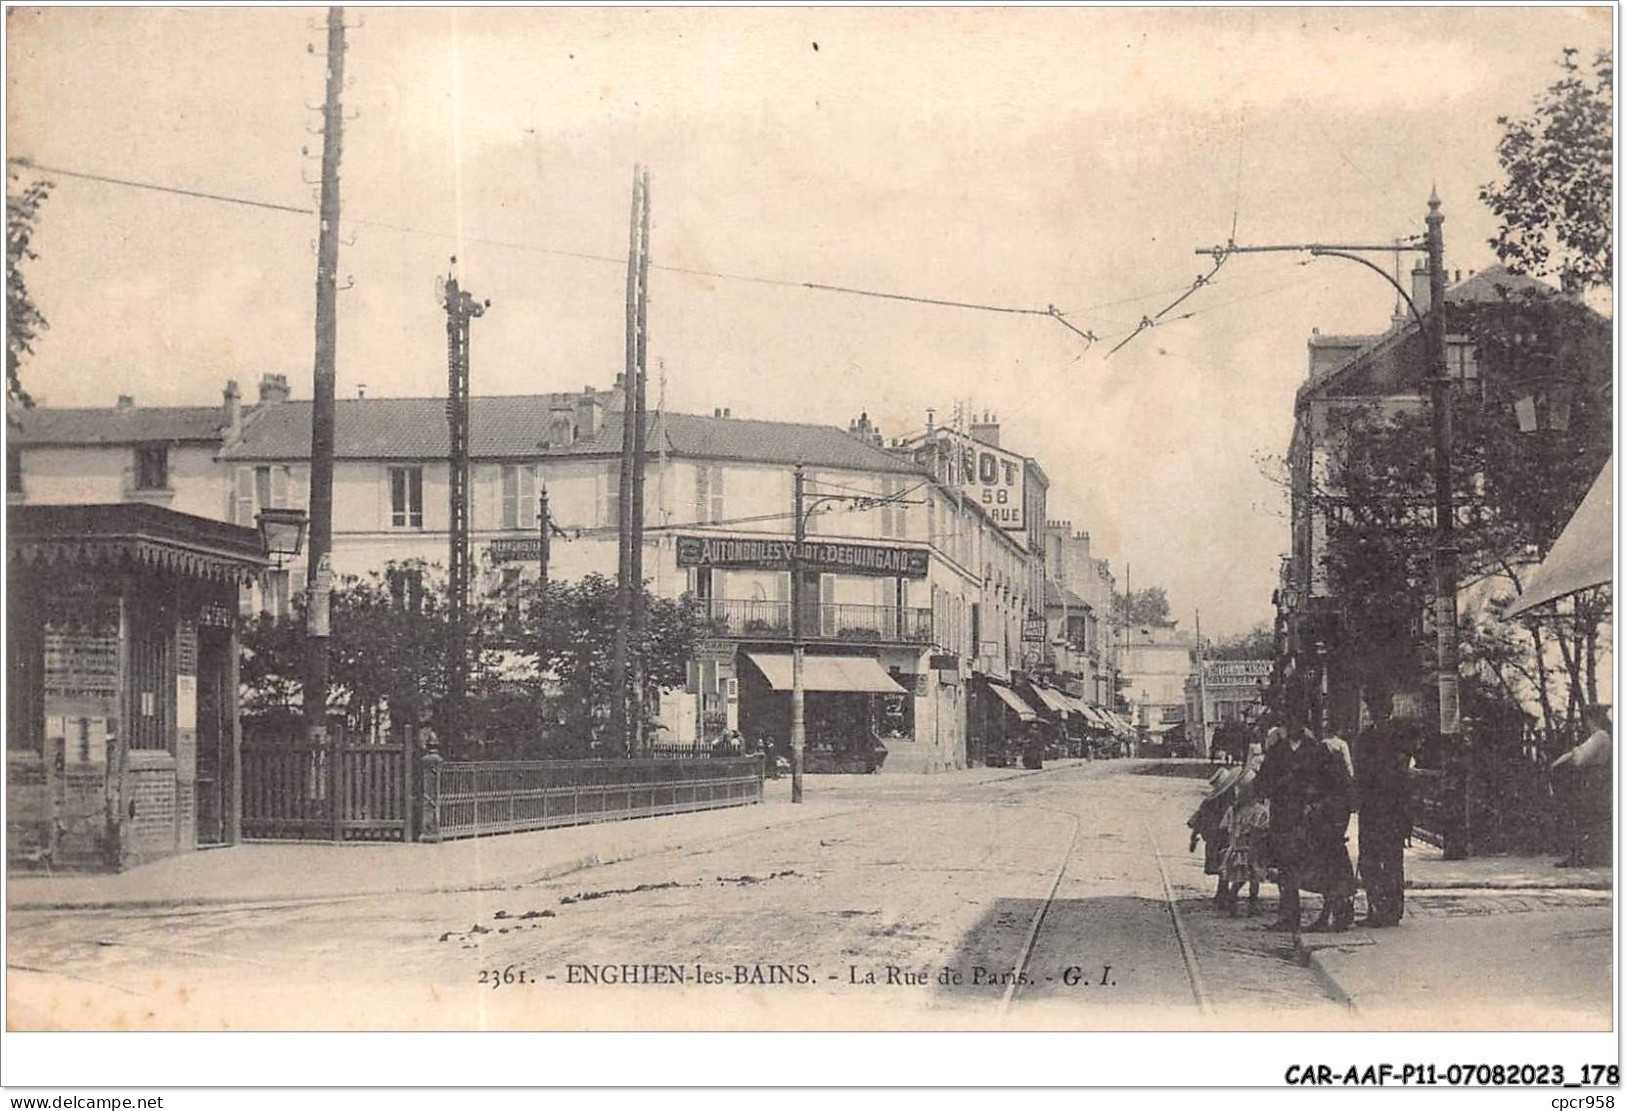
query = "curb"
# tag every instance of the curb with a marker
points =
(1508, 885)
(1328, 983)
(266, 901)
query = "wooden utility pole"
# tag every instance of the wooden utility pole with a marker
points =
(1201, 690)
(461, 309)
(798, 697)
(619, 731)
(319, 575)
(639, 600)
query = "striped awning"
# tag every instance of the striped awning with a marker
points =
(1583, 555)
(1054, 701)
(1013, 700)
(853, 674)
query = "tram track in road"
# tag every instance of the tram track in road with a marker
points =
(1018, 976)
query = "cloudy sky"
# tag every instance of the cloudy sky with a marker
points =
(1015, 158)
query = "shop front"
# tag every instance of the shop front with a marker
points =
(851, 705)
(1009, 727)
(864, 635)
(122, 743)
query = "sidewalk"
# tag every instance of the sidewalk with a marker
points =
(1426, 868)
(292, 872)
(1497, 942)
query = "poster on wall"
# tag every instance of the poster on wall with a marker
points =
(993, 477)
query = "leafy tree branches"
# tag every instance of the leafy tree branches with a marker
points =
(24, 321)
(1555, 203)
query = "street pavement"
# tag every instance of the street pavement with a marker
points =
(1064, 898)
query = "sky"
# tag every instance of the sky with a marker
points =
(1014, 158)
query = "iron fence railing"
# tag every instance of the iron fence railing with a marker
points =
(480, 798)
(753, 619)
(290, 784)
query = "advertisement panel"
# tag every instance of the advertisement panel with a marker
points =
(993, 477)
(836, 557)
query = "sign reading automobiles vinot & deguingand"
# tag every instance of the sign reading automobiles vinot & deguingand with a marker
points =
(837, 557)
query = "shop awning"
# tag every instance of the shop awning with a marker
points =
(1091, 715)
(1584, 553)
(854, 674)
(1013, 700)
(1055, 701)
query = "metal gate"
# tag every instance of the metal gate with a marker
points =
(297, 790)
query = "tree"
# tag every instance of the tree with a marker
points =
(1257, 643)
(403, 607)
(1556, 202)
(1144, 607)
(24, 321)
(567, 634)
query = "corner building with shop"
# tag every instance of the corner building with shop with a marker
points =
(912, 591)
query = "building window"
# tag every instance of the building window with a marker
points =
(152, 467)
(519, 497)
(612, 497)
(14, 469)
(406, 497)
(405, 587)
(262, 487)
(708, 494)
(1461, 361)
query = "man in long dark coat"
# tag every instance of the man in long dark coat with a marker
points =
(1288, 778)
(1382, 778)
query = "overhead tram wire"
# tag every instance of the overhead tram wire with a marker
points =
(1089, 337)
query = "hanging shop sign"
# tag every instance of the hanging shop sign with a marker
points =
(824, 556)
(1033, 630)
(510, 549)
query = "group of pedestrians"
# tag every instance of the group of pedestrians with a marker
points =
(1283, 814)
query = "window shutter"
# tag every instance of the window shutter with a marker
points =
(392, 481)
(717, 513)
(299, 487)
(485, 513)
(527, 497)
(702, 493)
(279, 487)
(510, 497)
(242, 502)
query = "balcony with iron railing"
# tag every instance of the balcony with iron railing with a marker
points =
(821, 622)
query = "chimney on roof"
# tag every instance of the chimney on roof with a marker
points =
(866, 430)
(125, 401)
(233, 423)
(361, 390)
(589, 414)
(273, 388)
(1420, 292)
(727, 412)
(986, 430)
(561, 426)
(717, 412)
